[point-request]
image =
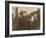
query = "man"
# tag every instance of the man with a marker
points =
(21, 20)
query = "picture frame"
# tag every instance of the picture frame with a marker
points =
(9, 5)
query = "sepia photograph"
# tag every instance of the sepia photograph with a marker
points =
(24, 18)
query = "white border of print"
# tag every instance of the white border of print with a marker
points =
(25, 31)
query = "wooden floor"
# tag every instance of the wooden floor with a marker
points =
(26, 25)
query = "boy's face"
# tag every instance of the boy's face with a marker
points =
(24, 14)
